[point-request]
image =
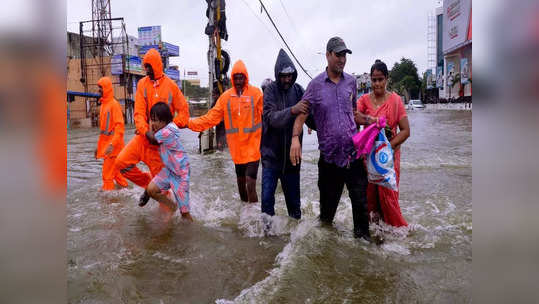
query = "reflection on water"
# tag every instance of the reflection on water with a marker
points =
(119, 252)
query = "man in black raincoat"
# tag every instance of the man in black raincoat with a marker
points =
(282, 103)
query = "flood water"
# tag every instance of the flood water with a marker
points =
(121, 253)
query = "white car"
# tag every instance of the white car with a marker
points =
(415, 103)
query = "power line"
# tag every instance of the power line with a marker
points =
(285, 11)
(294, 27)
(288, 16)
(265, 25)
(282, 38)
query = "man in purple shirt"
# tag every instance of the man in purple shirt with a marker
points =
(332, 97)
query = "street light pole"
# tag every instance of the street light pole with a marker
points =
(185, 85)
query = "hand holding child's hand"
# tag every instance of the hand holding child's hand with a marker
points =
(151, 138)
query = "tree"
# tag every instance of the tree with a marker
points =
(424, 84)
(194, 91)
(403, 78)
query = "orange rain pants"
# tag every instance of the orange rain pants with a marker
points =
(150, 92)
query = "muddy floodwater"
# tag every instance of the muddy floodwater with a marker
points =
(121, 253)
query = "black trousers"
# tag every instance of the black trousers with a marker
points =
(331, 181)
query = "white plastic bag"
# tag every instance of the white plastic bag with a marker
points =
(380, 167)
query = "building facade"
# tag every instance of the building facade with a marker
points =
(457, 50)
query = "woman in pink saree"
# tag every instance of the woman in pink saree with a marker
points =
(381, 201)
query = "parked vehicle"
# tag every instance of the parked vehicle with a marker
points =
(415, 103)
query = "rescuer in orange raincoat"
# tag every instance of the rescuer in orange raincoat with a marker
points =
(241, 109)
(111, 136)
(155, 87)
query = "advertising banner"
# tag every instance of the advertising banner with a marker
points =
(116, 65)
(456, 18)
(464, 70)
(143, 49)
(170, 49)
(173, 74)
(428, 75)
(450, 73)
(134, 64)
(440, 77)
(149, 35)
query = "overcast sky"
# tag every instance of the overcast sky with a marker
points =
(386, 30)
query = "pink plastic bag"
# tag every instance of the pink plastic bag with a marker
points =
(364, 140)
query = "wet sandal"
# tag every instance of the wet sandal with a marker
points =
(144, 198)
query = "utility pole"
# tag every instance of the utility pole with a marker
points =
(184, 86)
(207, 140)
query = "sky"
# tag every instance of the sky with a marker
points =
(386, 30)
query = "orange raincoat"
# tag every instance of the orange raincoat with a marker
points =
(150, 92)
(111, 125)
(242, 116)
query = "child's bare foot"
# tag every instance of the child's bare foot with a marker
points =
(187, 216)
(165, 213)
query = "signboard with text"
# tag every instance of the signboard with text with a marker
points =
(170, 49)
(173, 74)
(116, 65)
(456, 21)
(133, 64)
(143, 49)
(149, 35)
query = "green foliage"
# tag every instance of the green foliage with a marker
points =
(403, 78)
(423, 81)
(194, 91)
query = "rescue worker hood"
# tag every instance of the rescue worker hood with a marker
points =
(153, 58)
(106, 85)
(284, 65)
(239, 68)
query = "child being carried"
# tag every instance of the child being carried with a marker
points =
(175, 173)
